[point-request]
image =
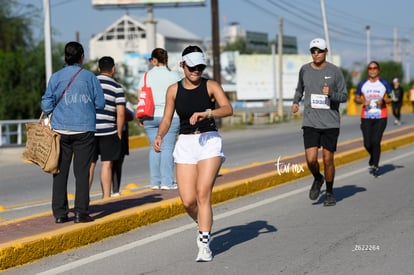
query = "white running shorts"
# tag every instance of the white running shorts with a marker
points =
(190, 149)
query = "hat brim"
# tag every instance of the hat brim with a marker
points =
(193, 59)
(320, 48)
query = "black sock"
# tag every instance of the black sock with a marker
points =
(329, 187)
(317, 176)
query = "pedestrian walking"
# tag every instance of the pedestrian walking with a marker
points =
(198, 152)
(109, 125)
(118, 163)
(74, 119)
(412, 97)
(397, 95)
(161, 164)
(322, 86)
(373, 93)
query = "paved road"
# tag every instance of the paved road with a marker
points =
(277, 231)
(25, 190)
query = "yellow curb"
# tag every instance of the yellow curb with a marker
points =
(25, 250)
(126, 192)
(71, 196)
(31, 248)
(136, 142)
(131, 186)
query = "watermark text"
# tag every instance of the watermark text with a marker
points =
(284, 168)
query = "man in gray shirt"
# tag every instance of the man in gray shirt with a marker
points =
(322, 87)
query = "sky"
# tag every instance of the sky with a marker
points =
(390, 24)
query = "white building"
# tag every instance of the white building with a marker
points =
(126, 41)
(231, 32)
(128, 35)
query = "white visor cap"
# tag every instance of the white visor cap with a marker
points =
(193, 59)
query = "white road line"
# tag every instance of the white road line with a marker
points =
(171, 232)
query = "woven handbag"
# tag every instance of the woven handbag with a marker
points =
(42, 146)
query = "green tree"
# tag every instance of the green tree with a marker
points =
(348, 78)
(22, 62)
(15, 53)
(238, 45)
(14, 30)
(19, 84)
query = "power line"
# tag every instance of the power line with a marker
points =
(268, 11)
(302, 13)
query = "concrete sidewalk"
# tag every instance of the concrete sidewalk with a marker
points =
(35, 237)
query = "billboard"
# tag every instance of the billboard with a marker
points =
(290, 44)
(137, 3)
(255, 79)
(257, 41)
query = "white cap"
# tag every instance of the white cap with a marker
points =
(193, 59)
(318, 43)
(395, 80)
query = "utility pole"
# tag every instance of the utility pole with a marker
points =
(215, 40)
(274, 74)
(397, 47)
(48, 39)
(368, 28)
(150, 26)
(325, 27)
(280, 73)
(216, 46)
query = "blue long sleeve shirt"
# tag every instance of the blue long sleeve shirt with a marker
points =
(77, 109)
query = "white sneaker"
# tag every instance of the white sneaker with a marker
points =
(115, 194)
(172, 187)
(155, 187)
(204, 252)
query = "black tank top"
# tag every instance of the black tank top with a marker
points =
(196, 100)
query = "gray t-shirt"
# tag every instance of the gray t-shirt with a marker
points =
(320, 111)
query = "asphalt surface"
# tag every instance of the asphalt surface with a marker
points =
(27, 239)
(275, 231)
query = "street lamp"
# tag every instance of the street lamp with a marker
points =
(48, 39)
(368, 28)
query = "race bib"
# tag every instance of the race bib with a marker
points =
(372, 110)
(320, 101)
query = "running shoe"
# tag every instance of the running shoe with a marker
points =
(375, 172)
(316, 188)
(172, 187)
(370, 169)
(329, 200)
(204, 252)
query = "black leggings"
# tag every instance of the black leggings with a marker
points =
(396, 110)
(372, 131)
